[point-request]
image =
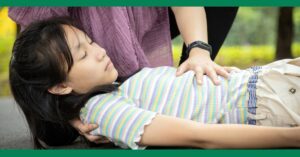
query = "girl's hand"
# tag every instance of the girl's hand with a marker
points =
(200, 62)
(85, 129)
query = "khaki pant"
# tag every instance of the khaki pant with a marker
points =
(278, 94)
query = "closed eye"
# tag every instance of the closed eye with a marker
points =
(85, 54)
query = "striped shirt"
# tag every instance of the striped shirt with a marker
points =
(123, 114)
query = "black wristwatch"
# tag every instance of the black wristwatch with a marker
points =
(198, 44)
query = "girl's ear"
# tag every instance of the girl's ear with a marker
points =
(60, 89)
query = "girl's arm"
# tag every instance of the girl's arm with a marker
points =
(171, 131)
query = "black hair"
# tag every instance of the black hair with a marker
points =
(41, 59)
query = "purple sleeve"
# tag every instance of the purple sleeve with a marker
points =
(25, 15)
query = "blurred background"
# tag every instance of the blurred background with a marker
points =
(258, 36)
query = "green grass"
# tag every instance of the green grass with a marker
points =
(242, 56)
(5, 52)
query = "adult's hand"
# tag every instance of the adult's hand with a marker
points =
(200, 62)
(85, 129)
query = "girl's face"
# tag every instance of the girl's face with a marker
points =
(92, 67)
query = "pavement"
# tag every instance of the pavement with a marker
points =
(14, 132)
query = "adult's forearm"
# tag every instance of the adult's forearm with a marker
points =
(191, 23)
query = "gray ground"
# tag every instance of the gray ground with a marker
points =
(14, 133)
(13, 130)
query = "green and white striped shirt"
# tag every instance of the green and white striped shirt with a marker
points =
(123, 114)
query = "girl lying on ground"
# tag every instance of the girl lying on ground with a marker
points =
(57, 73)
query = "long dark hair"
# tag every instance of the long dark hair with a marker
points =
(41, 59)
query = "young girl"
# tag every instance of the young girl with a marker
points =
(57, 73)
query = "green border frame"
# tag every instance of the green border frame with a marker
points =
(150, 2)
(153, 153)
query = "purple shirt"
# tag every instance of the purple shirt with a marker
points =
(134, 37)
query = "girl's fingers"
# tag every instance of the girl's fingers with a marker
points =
(81, 127)
(86, 128)
(93, 138)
